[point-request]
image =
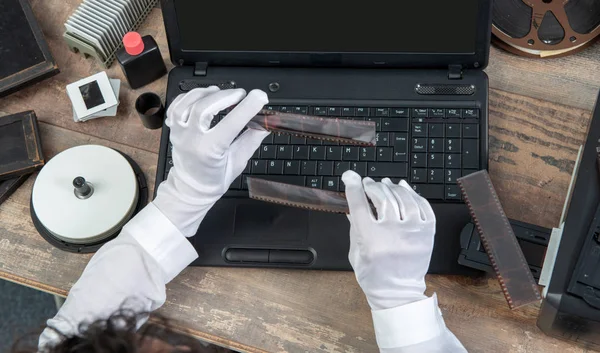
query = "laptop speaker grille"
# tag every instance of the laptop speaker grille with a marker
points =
(446, 90)
(188, 85)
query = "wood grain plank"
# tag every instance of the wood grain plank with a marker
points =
(573, 80)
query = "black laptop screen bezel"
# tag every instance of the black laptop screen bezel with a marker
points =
(477, 60)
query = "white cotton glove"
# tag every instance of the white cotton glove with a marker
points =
(390, 252)
(205, 160)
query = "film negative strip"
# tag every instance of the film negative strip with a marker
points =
(545, 28)
(344, 131)
(297, 196)
(499, 240)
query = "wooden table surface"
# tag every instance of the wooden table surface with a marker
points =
(539, 114)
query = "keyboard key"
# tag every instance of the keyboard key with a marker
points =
(330, 143)
(350, 153)
(452, 160)
(331, 183)
(361, 111)
(451, 175)
(436, 113)
(382, 112)
(308, 168)
(340, 167)
(400, 141)
(419, 113)
(268, 140)
(436, 145)
(334, 153)
(435, 160)
(400, 156)
(286, 109)
(248, 168)
(419, 145)
(170, 150)
(314, 182)
(430, 192)
(383, 139)
(270, 107)
(286, 179)
(452, 146)
(388, 170)
(419, 130)
(359, 167)
(291, 167)
(300, 110)
(320, 111)
(237, 183)
(314, 142)
(377, 122)
(280, 138)
(275, 167)
(418, 175)
(435, 176)
(334, 111)
(470, 113)
(268, 152)
(419, 160)
(453, 130)
(347, 111)
(259, 167)
(436, 130)
(470, 131)
(470, 154)
(399, 112)
(453, 192)
(256, 154)
(284, 152)
(301, 152)
(324, 168)
(169, 164)
(453, 113)
(394, 124)
(297, 140)
(367, 153)
(317, 152)
(384, 154)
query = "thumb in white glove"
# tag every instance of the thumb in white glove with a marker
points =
(205, 160)
(390, 252)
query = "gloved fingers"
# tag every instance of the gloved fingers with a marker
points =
(205, 109)
(384, 201)
(356, 197)
(243, 148)
(184, 102)
(409, 208)
(238, 118)
(426, 211)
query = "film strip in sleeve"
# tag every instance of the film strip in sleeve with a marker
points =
(499, 240)
(545, 28)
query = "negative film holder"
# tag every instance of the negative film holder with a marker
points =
(92, 247)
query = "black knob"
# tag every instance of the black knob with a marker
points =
(83, 190)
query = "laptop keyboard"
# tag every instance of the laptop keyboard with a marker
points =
(428, 147)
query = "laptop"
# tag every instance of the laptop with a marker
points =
(415, 68)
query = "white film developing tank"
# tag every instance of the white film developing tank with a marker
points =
(85, 195)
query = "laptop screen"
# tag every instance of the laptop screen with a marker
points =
(375, 26)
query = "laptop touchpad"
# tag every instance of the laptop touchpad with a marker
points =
(272, 223)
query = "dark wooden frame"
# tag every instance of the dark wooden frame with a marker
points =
(37, 72)
(35, 156)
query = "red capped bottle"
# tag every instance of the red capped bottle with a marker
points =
(140, 60)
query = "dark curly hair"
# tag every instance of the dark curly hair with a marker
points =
(119, 334)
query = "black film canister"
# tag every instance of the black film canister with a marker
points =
(151, 110)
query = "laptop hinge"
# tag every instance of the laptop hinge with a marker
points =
(455, 72)
(200, 69)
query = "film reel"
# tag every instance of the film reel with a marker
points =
(545, 28)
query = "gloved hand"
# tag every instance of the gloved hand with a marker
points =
(205, 160)
(390, 253)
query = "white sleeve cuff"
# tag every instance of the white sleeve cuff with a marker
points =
(408, 324)
(162, 240)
